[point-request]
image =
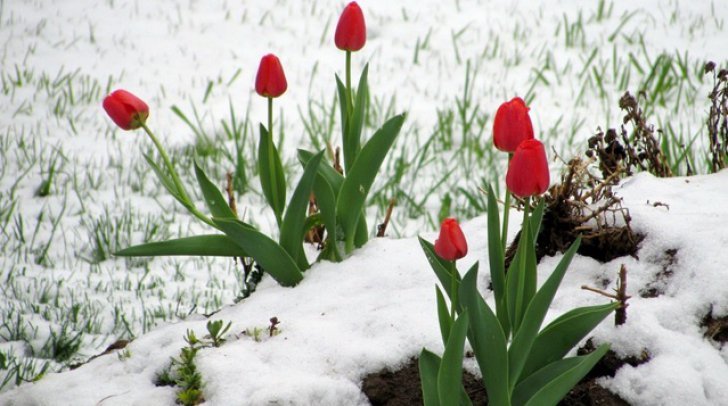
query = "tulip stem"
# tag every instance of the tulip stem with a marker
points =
(348, 84)
(506, 212)
(271, 153)
(182, 195)
(453, 289)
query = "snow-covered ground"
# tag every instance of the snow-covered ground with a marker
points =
(571, 60)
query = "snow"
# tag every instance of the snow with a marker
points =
(376, 309)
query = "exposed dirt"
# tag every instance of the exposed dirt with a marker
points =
(716, 328)
(402, 387)
(658, 285)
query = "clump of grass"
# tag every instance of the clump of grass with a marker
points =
(718, 117)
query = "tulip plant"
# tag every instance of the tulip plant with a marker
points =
(521, 363)
(340, 197)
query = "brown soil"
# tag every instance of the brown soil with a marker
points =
(716, 328)
(657, 286)
(402, 387)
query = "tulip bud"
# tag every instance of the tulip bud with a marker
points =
(511, 125)
(126, 110)
(351, 31)
(451, 244)
(528, 171)
(270, 80)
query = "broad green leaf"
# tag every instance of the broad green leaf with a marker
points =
(213, 197)
(344, 109)
(352, 140)
(526, 335)
(429, 367)
(443, 315)
(450, 377)
(550, 384)
(166, 180)
(562, 334)
(333, 178)
(359, 180)
(516, 280)
(439, 266)
(292, 229)
(361, 235)
(487, 339)
(266, 252)
(530, 275)
(497, 261)
(326, 202)
(213, 245)
(272, 178)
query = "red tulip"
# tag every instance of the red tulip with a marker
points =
(270, 81)
(451, 244)
(528, 171)
(351, 31)
(511, 125)
(128, 111)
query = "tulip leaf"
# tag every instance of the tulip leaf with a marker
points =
(292, 228)
(359, 180)
(344, 109)
(443, 315)
(214, 245)
(516, 284)
(361, 235)
(497, 261)
(551, 383)
(536, 218)
(352, 140)
(272, 178)
(333, 178)
(487, 339)
(439, 266)
(166, 180)
(429, 364)
(213, 197)
(450, 376)
(266, 252)
(525, 336)
(562, 334)
(326, 202)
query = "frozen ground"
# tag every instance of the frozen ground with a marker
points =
(64, 298)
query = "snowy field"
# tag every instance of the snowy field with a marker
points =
(74, 188)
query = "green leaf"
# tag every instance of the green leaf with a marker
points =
(292, 228)
(562, 334)
(359, 180)
(212, 245)
(450, 376)
(213, 197)
(443, 315)
(166, 180)
(272, 178)
(550, 384)
(352, 138)
(343, 108)
(497, 261)
(535, 313)
(439, 266)
(333, 178)
(361, 235)
(516, 280)
(326, 202)
(487, 339)
(266, 252)
(429, 366)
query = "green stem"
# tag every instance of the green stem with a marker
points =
(182, 193)
(348, 84)
(453, 289)
(271, 164)
(506, 211)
